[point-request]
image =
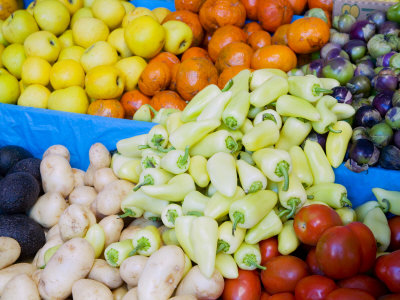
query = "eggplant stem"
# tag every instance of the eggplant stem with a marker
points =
(330, 128)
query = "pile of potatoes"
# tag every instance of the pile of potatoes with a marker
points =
(73, 202)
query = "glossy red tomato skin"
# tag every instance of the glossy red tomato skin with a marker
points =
(282, 296)
(349, 294)
(311, 221)
(264, 295)
(246, 287)
(366, 283)
(338, 253)
(394, 224)
(282, 274)
(314, 287)
(268, 249)
(387, 269)
(368, 245)
(312, 263)
(390, 297)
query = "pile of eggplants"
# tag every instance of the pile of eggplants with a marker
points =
(364, 56)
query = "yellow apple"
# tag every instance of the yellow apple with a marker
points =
(110, 12)
(136, 13)
(35, 70)
(3, 40)
(74, 53)
(100, 53)
(88, 3)
(1, 52)
(178, 37)
(22, 86)
(43, 44)
(34, 95)
(131, 68)
(71, 99)
(104, 82)
(13, 58)
(117, 40)
(72, 5)
(66, 40)
(9, 89)
(87, 31)
(51, 16)
(145, 37)
(128, 6)
(161, 13)
(18, 26)
(66, 73)
(84, 12)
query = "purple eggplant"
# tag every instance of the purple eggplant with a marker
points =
(367, 116)
(396, 98)
(386, 80)
(390, 158)
(377, 17)
(364, 152)
(392, 117)
(362, 30)
(381, 134)
(342, 94)
(359, 86)
(344, 22)
(389, 27)
(359, 133)
(383, 102)
(356, 49)
(384, 60)
(315, 67)
(336, 53)
(365, 68)
(328, 47)
(396, 138)
(381, 44)
(338, 68)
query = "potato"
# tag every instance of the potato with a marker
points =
(132, 295)
(83, 195)
(119, 293)
(88, 289)
(21, 287)
(39, 258)
(104, 273)
(183, 297)
(57, 150)
(112, 226)
(79, 176)
(196, 284)
(99, 156)
(54, 232)
(88, 179)
(162, 273)
(72, 261)
(36, 276)
(108, 201)
(57, 175)
(13, 270)
(129, 232)
(48, 209)
(9, 251)
(75, 221)
(131, 269)
(102, 177)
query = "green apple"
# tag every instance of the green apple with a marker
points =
(66, 73)
(66, 40)
(43, 44)
(104, 82)
(71, 99)
(88, 3)
(110, 12)
(136, 13)
(18, 26)
(87, 31)
(72, 5)
(9, 89)
(13, 58)
(145, 37)
(36, 70)
(74, 53)
(178, 37)
(117, 40)
(161, 13)
(84, 12)
(128, 6)
(100, 53)
(131, 68)
(51, 16)
(34, 95)
(3, 40)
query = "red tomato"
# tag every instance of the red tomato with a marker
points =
(268, 249)
(282, 274)
(368, 245)
(282, 296)
(311, 221)
(314, 287)
(312, 263)
(390, 297)
(246, 287)
(365, 283)
(264, 295)
(349, 294)
(394, 224)
(387, 269)
(338, 253)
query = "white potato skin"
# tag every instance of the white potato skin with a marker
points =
(39, 258)
(7, 273)
(196, 284)
(183, 297)
(132, 294)
(88, 289)
(132, 268)
(162, 273)
(83, 195)
(128, 233)
(119, 293)
(9, 251)
(57, 150)
(88, 178)
(79, 176)
(102, 272)
(112, 226)
(20, 287)
(36, 276)
(48, 209)
(75, 221)
(57, 175)
(108, 201)
(72, 261)
(54, 232)
(99, 156)
(102, 177)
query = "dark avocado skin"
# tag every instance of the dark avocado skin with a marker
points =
(28, 233)
(29, 165)
(10, 155)
(18, 193)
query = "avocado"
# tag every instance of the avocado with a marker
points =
(28, 165)
(28, 233)
(18, 193)
(10, 155)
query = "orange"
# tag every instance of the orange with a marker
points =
(154, 78)
(274, 13)
(131, 101)
(280, 35)
(298, 6)
(274, 56)
(195, 52)
(251, 8)
(106, 108)
(224, 36)
(259, 39)
(191, 5)
(234, 54)
(228, 74)
(166, 57)
(251, 27)
(167, 99)
(324, 4)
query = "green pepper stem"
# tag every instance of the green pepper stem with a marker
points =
(142, 147)
(330, 128)
(316, 90)
(157, 140)
(293, 203)
(231, 122)
(345, 201)
(149, 162)
(172, 215)
(386, 207)
(143, 243)
(238, 217)
(182, 160)
(231, 144)
(148, 180)
(128, 213)
(310, 197)
(163, 150)
(195, 213)
(250, 260)
(269, 117)
(112, 256)
(222, 246)
(228, 86)
(152, 109)
(255, 187)
(282, 170)
(154, 219)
